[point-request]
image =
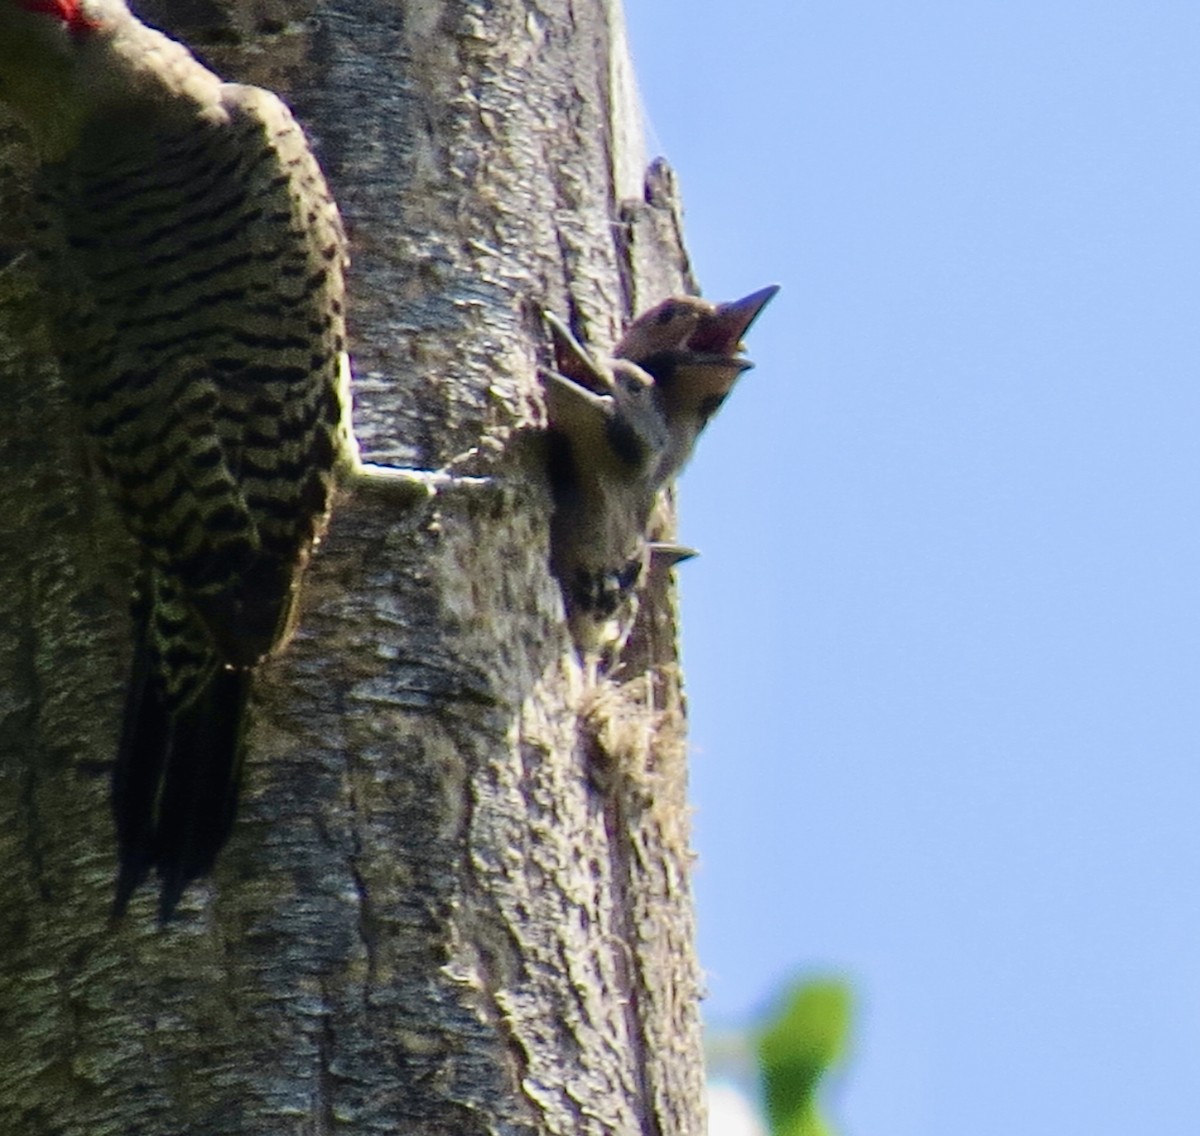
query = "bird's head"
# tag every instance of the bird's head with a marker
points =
(74, 17)
(665, 327)
(51, 34)
(67, 63)
(606, 409)
(692, 349)
(42, 44)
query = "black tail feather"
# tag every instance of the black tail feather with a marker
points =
(199, 789)
(145, 745)
(175, 781)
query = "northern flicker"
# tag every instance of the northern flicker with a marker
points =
(691, 348)
(606, 437)
(193, 260)
(620, 429)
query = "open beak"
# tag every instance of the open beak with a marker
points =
(572, 360)
(722, 332)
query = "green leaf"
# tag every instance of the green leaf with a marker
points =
(805, 1038)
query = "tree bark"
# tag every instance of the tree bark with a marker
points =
(457, 897)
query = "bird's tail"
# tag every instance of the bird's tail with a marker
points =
(174, 791)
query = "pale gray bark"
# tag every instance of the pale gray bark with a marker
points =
(457, 899)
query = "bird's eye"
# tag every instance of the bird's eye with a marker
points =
(628, 576)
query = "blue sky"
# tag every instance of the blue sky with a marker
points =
(943, 645)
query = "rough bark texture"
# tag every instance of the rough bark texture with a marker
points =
(457, 898)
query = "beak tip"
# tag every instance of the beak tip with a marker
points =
(748, 307)
(723, 333)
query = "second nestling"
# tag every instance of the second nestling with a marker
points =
(620, 429)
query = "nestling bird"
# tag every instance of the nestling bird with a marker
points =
(193, 260)
(691, 348)
(620, 429)
(607, 434)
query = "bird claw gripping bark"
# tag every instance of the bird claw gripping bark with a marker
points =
(403, 487)
(619, 430)
(192, 263)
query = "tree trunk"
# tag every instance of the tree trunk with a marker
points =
(457, 897)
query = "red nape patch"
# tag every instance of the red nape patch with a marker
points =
(68, 11)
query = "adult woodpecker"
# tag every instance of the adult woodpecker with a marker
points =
(193, 260)
(620, 429)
